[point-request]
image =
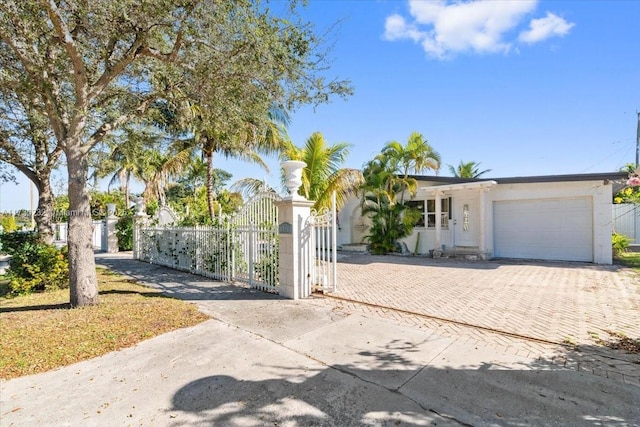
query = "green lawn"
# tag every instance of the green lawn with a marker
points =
(629, 259)
(40, 332)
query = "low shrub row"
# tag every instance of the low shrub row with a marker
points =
(34, 266)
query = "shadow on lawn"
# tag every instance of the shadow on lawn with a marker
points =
(61, 306)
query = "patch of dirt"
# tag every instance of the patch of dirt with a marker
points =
(619, 341)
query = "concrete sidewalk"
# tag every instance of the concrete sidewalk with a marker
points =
(263, 360)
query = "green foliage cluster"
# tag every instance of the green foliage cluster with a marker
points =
(124, 231)
(268, 268)
(189, 201)
(34, 266)
(8, 223)
(627, 195)
(619, 243)
(387, 183)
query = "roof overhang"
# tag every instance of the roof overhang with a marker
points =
(476, 185)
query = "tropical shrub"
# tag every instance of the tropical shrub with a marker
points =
(619, 243)
(8, 223)
(15, 242)
(124, 232)
(267, 269)
(34, 266)
(386, 184)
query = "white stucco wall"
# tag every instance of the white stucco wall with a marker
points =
(597, 191)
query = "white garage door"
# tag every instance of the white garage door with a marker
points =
(554, 229)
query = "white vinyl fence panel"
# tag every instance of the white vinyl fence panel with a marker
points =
(626, 221)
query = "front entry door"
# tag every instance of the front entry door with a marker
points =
(466, 224)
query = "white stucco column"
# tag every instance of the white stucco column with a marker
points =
(292, 215)
(109, 237)
(293, 212)
(438, 220)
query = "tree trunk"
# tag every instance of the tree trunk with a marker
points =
(44, 214)
(83, 281)
(210, 199)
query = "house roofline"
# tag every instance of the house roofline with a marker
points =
(605, 176)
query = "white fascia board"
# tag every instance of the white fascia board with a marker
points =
(461, 186)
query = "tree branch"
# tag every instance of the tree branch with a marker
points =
(70, 46)
(103, 130)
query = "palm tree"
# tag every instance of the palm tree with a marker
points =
(158, 169)
(416, 156)
(386, 182)
(467, 170)
(322, 174)
(246, 140)
(146, 155)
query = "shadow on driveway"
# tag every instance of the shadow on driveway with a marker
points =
(534, 394)
(180, 284)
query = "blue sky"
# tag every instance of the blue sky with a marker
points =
(523, 87)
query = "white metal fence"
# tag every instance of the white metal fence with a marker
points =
(626, 220)
(244, 247)
(241, 248)
(319, 251)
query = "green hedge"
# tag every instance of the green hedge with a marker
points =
(34, 266)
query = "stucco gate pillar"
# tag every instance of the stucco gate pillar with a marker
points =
(140, 219)
(293, 212)
(109, 236)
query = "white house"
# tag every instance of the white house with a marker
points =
(558, 217)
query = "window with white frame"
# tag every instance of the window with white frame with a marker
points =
(428, 208)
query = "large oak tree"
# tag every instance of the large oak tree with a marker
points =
(84, 68)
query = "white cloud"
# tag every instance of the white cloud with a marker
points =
(444, 27)
(396, 28)
(543, 28)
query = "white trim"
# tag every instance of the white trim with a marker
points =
(461, 186)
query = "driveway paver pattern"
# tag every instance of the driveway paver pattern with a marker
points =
(563, 303)
(558, 302)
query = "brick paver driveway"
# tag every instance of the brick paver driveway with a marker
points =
(558, 302)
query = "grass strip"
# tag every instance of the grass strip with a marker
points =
(41, 332)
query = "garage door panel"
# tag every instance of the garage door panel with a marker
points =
(558, 229)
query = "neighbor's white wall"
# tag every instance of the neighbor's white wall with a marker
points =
(344, 234)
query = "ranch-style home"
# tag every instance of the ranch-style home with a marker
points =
(556, 217)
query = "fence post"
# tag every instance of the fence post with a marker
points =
(139, 220)
(293, 212)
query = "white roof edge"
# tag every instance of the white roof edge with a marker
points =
(459, 186)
